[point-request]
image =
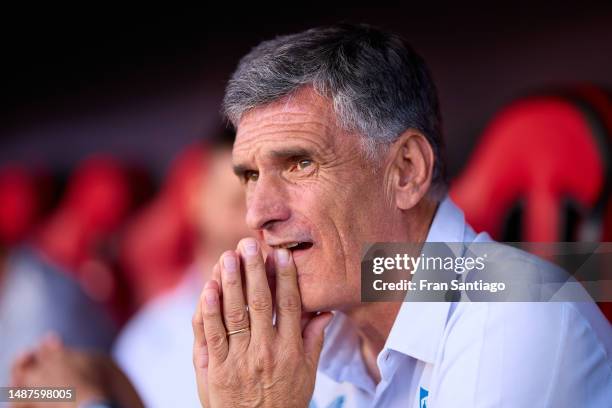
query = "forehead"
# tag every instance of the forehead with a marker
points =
(303, 118)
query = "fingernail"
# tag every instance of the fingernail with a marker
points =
(250, 247)
(282, 256)
(229, 262)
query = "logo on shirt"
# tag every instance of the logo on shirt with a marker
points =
(423, 393)
(337, 403)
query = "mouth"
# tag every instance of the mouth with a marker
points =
(294, 246)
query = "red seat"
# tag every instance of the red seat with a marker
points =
(78, 236)
(545, 154)
(19, 204)
(540, 151)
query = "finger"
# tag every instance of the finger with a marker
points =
(259, 298)
(305, 319)
(216, 276)
(216, 273)
(214, 329)
(197, 322)
(271, 277)
(288, 301)
(270, 266)
(200, 351)
(313, 336)
(235, 312)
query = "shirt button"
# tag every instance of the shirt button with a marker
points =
(386, 356)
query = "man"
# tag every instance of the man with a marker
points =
(339, 144)
(154, 348)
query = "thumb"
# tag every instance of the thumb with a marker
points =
(313, 335)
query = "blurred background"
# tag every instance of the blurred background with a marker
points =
(104, 112)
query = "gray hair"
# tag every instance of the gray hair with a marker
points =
(379, 86)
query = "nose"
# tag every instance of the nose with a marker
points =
(267, 204)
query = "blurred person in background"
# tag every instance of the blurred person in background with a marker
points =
(154, 349)
(60, 280)
(158, 243)
(94, 378)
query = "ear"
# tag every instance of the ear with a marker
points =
(411, 168)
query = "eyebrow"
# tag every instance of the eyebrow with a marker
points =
(240, 169)
(291, 152)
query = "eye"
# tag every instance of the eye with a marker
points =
(251, 175)
(303, 163)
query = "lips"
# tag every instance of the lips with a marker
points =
(293, 245)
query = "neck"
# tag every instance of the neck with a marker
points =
(373, 324)
(373, 321)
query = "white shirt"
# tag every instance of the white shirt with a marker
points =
(461, 354)
(155, 348)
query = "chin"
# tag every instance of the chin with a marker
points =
(315, 298)
(312, 298)
(314, 307)
(319, 294)
(308, 296)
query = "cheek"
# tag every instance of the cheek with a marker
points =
(340, 218)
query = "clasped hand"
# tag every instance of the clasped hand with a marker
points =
(242, 355)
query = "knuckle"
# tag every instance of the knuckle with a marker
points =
(232, 280)
(290, 303)
(215, 340)
(236, 315)
(260, 302)
(286, 272)
(210, 313)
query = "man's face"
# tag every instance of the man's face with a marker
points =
(308, 183)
